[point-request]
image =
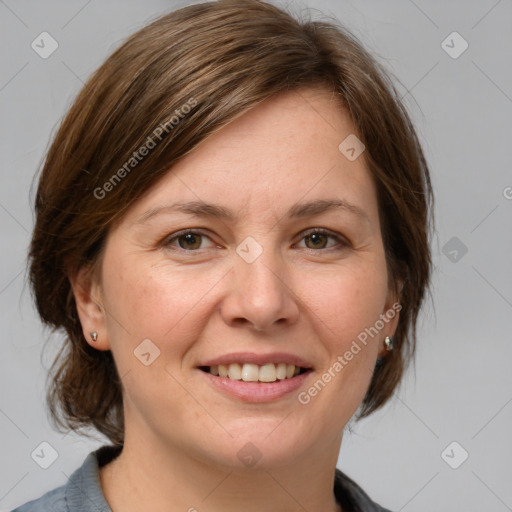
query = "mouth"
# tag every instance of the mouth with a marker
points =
(249, 372)
(256, 377)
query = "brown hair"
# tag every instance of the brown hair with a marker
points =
(221, 58)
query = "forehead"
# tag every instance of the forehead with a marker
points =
(283, 151)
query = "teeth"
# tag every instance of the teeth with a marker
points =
(281, 371)
(268, 373)
(249, 372)
(235, 371)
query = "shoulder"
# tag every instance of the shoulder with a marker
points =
(352, 497)
(54, 501)
(82, 492)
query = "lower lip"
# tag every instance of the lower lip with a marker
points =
(257, 392)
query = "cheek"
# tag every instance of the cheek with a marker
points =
(347, 305)
(159, 302)
(346, 301)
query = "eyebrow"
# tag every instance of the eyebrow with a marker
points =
(297, 211)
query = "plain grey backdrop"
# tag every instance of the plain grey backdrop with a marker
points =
(444, 441)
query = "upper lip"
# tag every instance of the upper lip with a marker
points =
(259, 359)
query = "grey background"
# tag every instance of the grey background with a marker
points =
(461, 389)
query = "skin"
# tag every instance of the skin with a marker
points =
(307, 297)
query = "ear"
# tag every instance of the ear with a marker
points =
(86, 287)
(391, 315)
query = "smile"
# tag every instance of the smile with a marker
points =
(250, 372)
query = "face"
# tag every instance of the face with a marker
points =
(287, 267)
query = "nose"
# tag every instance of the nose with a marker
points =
(260, 294)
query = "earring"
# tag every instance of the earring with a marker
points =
(389, 343)
(94, 335)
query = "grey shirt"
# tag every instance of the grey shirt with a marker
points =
(82, 492)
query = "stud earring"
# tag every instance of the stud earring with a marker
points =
(94, 335)
(389, 343)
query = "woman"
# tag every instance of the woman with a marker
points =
(233, 230)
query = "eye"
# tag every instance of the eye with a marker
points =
(191, 240)
(318, 238)
(188, 240)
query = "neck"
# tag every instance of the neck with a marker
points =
(151, 476)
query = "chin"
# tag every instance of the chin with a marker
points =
(261, 444)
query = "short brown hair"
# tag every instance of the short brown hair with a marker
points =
(223, 57)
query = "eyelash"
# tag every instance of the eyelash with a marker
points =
(341, 242)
